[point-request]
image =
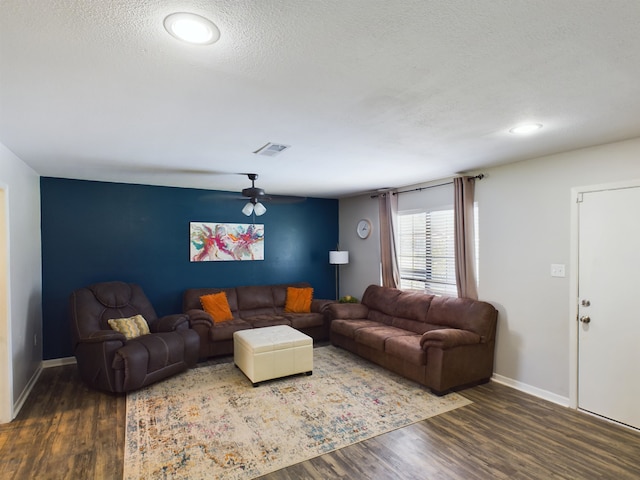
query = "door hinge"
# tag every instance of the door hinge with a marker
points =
(580, 198)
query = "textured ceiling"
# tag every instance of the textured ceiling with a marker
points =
(369, 93)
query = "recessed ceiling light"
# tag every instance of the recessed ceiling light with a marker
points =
(192, 28)
(526, 128)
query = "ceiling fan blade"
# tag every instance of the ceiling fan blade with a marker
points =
(284, 199)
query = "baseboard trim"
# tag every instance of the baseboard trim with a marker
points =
(535, 391)
(58, 362)
(27, 390)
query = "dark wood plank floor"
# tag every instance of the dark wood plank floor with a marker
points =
(66, 431)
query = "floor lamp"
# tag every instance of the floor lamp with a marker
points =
(337, 258)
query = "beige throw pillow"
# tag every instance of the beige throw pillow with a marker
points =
(131, 327)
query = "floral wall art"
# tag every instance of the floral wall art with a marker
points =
(213, 242)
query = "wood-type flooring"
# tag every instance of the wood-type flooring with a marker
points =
(67, 431)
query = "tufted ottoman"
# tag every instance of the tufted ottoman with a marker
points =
(272, 352)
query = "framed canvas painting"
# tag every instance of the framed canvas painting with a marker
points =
(220, 242)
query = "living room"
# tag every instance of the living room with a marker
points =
(61, 232)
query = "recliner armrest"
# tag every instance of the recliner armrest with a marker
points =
(199, 317)
(170, 323)
(99, 336)
(347, 310)
(446, 338)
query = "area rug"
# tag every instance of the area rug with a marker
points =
(209, 422)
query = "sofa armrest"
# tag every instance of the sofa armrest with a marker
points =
(170, 323)
(100, 336)
(446, 338)
(319, 305)
(199, 317)
(347, 310)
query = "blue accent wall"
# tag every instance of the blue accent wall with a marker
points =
(96, 231)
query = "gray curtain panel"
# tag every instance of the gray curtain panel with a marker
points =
(464, 235)
(388, 208)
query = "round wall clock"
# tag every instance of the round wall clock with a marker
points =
(364, 228)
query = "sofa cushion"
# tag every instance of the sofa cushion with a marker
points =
(375, 337)
(347, 310)
(224, 331)
(382, 299)
(348, 328)
(232, 298)
(217, 305)
(380, 317)
(258, 321)
(465, 314)
(257, 297)
(412, 325)
(413, 306)
(406, 347)
(298, 300)
(305, 320)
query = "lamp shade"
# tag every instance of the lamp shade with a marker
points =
(259, 208)
(338, 257)
(248, 209)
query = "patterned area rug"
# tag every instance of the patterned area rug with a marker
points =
(209, 422)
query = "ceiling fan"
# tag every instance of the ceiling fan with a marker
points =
(254, 194)
(257, 195)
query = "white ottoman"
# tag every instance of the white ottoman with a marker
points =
(272, 352)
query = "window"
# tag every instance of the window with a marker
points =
(426, 253)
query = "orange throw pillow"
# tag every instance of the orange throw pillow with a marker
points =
(298, 300)
(217, 305)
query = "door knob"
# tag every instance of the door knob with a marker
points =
(585, 319)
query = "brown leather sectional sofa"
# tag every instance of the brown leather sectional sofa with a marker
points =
(251, 307)
(443, 343)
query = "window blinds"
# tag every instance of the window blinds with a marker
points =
(426, 252)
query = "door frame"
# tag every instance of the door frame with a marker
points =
(576, 192)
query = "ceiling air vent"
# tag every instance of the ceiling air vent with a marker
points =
(271, 149)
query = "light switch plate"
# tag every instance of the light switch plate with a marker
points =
(557, 270)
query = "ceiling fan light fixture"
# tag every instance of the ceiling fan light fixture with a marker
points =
(259, 209)
(248, 209)
(191, 28)
(525, 128)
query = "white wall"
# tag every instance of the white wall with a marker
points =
(21, 360)
(524, 227)
(364, 255)
(525, 215)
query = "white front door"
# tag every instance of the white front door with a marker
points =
(609, 301)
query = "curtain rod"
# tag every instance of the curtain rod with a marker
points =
(477, 177)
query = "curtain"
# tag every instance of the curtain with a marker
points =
(388, 208)
(464, 236)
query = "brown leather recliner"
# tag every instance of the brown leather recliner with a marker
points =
(106, 359)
